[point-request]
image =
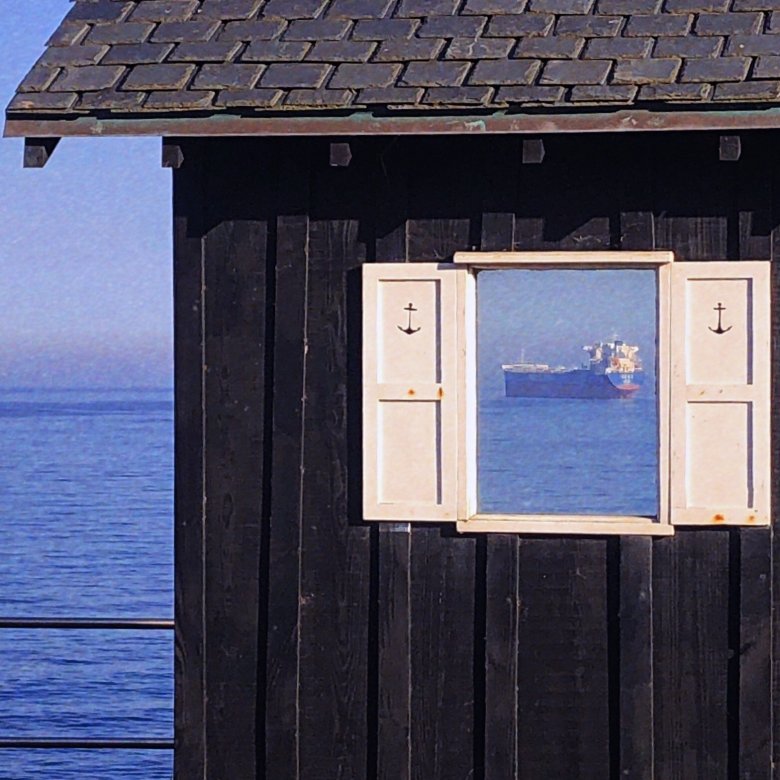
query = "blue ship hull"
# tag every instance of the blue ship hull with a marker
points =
(578, 383)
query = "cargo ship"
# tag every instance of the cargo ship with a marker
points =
(613, 370)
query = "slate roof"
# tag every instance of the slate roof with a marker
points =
(142, 57)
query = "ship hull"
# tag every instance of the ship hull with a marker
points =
(578, 383)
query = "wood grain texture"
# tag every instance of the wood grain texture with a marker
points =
(755, 654)
(563, 709)
(423, 654)
(499, 193)
(394, 541)
(189, 708)
(282, 715)
(693, 199)
(443, 214)
(583, 177)
(334, 578)
(755, 208)
(442, 565)
(394, 754)
(442, 643)
(636, 659)
(235, 285)
(690, 623)
(502, 647)
(774, 535)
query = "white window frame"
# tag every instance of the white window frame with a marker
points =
(474, 522)
(421, 466)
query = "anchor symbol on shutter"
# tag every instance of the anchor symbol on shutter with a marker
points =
(720, 308)
(409, 330)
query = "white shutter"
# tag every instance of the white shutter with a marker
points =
(412, 366)
(720, 394)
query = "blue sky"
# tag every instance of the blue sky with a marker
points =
(85, 245)
(552, 314)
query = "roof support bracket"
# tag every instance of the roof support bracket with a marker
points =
(340, 155)
(172, 154)
(38, 150)
(730, 148)
(533, 151)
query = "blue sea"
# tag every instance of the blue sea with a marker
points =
(86, 485)
(568, 456)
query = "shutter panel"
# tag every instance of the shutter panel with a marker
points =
(720, 394)
(412, 327)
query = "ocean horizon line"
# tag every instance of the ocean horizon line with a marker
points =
(86, 388)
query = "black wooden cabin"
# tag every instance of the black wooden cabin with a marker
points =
(309, 643)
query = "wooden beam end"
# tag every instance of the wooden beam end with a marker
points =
(533, 151)
(172, 155)
(37, 151)
(340, 155)
(730, 148)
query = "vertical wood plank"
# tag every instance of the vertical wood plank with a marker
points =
(635, 209)
(292, 263)
(391, 201)
(582, 179)
(695, 197)
(690, 623)
(774, 535)
(444, 217)
(442, 634)
(755, 212)
(188, 198)
(394, 670)
(755, 654)
(502, 604)
(394, 648)
(563, 707)
(235, 256)
(636, 658)
(335, 563)
(501, 683)
(441, 208)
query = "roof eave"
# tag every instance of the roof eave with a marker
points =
(20, 125)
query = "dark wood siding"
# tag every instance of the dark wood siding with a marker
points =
(313, 646)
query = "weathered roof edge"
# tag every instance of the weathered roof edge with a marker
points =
(367, 123)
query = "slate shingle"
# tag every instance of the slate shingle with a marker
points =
(360, 9)
(289, 75)
(137, 53)
(232, 76)
(182, 100)
(166, 76)
(341, 51)
(205, 51)
(603, 93)
(87, 79)
(111, 100)
(364, 75)
(503, 72)
(69, 34)
(39, 79)
(435, 74)
(164, 11)
(258, 30)
(458, 96)
(210, 55)
(100, 11)
(331, 98)
(249, 98)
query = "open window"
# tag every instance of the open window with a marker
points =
(601, 393)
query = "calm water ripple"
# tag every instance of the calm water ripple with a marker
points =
(86, 495)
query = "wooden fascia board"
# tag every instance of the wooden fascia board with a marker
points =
(365, 123)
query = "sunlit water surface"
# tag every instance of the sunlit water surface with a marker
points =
(86, 490)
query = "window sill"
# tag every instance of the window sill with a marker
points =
(564, 524)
